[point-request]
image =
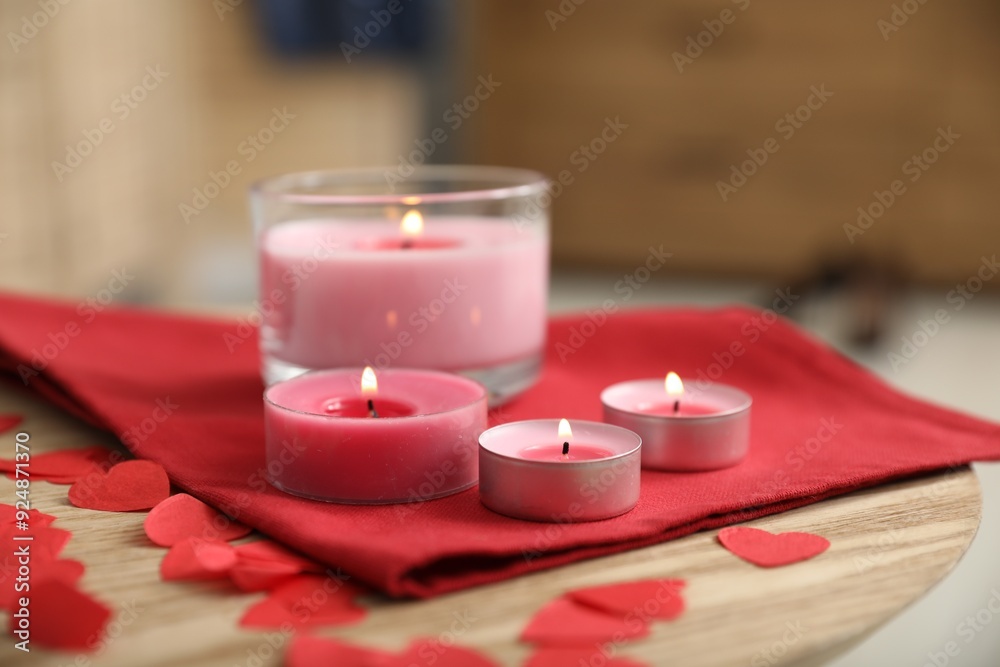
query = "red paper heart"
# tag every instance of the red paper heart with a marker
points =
(64, 617)
(312, 590)
(266, 550)
(181, 516)
(46, 544)
(563, 622)
(8, 422)
(66, 571)
(307, 651)
(194, 559)
(651, 598)
(35, 519)
(62, 463)
(128, 486)
(253, 576)
(771, 550)
(307, 601)
(426, 651)
(575, 657)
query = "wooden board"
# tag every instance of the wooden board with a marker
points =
(889, 545)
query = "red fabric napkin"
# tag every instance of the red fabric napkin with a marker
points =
(174, 392)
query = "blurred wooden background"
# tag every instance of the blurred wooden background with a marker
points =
(658, 181)
(561, 76)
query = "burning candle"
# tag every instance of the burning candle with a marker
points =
(682, 428)
(449, 274)
(547, 471)
(352, 436)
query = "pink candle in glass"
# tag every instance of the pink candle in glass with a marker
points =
(348, 436)
(542, 470)
(446, 269)
(470, 295)
(684, 426)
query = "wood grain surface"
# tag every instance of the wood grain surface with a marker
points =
(889, 545)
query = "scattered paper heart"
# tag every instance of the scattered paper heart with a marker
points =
(181, 516)
(307, 601)
(426, 651)
(563, 622)
(306, 651)
(63, 617)
(128, 486)
(66, 571)
(252, 576)
(35, 519)
(64, 466)
(650, 598)
(194, 559)
(769, 549)
(8, 422)
(266, 550)
(46, 544)
(574, 657)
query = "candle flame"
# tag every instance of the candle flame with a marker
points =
(369, 385)
(412, 224)
(674, 385)
(565, 432)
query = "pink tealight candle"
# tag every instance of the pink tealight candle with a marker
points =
(544, 470)
(690, 427)
(348, 436)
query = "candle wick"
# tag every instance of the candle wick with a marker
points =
(371, 408)
(565, 448)
(677, 406)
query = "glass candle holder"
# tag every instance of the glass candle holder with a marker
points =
(446, 269)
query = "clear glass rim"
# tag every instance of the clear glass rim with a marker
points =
(511, 182)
